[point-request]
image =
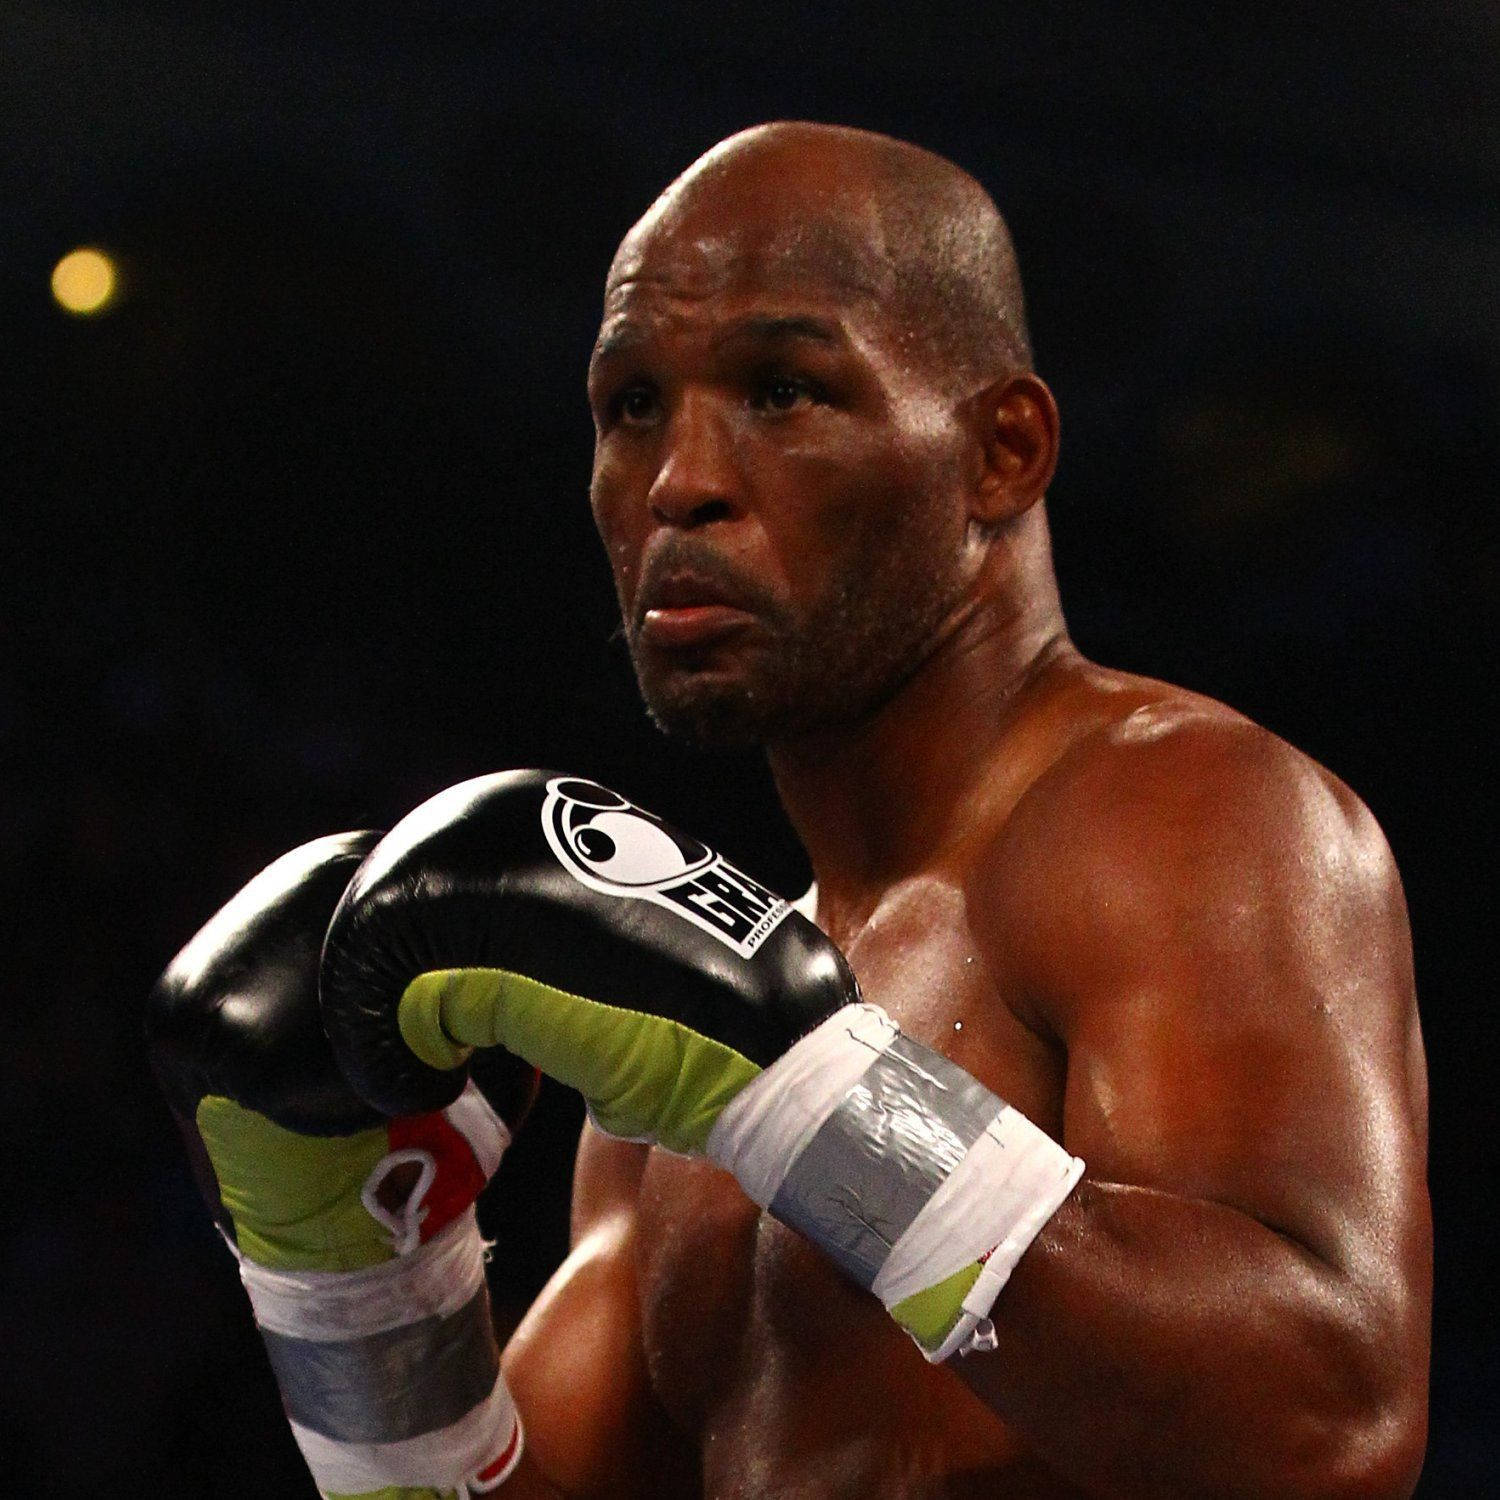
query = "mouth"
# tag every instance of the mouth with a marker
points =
(686, 610)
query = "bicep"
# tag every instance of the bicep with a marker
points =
(1226, 963)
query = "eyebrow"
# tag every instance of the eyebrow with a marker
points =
(772, 330)
(619, 340)
(760, 328)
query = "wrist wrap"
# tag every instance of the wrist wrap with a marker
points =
(916, 1180)
(390, 1375)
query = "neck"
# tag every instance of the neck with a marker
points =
(871, 799)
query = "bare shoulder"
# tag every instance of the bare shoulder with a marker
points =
(576, 1365)
(1179, 762)
(1173, 825)
(1160, 774)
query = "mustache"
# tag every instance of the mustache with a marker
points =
(676, 556)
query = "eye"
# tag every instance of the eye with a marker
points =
(784, 393)
(635, 405)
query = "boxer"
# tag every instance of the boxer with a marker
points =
(1090, 925)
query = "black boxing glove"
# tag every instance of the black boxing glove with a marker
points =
(505, 891)
(693, 1009)
(355, 1233)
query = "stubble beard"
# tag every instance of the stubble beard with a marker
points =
(807, 674)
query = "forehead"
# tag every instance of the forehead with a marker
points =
(685, 268)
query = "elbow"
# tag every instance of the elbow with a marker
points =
(1354, 1425)
(1377, 1460)
(1371, 1448)
(1364, 1436)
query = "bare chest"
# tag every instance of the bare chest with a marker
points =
(756, 1344)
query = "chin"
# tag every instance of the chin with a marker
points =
(718, 720)
(720, 710)
(761, 702)
(723, 716)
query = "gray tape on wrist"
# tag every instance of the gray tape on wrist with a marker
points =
(390, 1375)
(388, 1386)
(880, 1155)
(900, 1166)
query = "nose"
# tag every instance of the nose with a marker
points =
(698, 481)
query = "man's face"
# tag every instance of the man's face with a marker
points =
(776, 478)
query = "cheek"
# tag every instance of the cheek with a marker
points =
(618, 522)
(916, 491)
(896, 539)
(872, 493)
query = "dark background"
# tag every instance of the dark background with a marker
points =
(296, 533)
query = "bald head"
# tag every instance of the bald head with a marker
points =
(878, 216)
(813, 405)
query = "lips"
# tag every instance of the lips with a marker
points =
(687, 610)
(687, 591)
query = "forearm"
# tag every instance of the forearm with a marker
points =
(1152, 1345)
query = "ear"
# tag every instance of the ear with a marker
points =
(1017, 426)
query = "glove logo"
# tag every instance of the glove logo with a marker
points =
(614, 847)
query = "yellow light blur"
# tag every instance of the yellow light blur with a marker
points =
(83, 282)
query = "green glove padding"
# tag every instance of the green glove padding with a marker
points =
(294, 1199)
(644, 1077)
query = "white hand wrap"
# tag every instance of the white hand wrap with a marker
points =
(390, 1375)
(899, 1165)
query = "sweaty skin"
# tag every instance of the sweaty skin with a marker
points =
(1169, 938)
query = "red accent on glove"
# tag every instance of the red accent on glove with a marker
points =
(459, 1180)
